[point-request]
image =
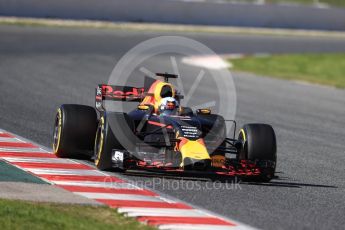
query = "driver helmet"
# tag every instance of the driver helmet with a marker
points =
(168, 106)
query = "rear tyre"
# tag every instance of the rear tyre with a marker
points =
(259, 144)
(74, 130)
(106, 140)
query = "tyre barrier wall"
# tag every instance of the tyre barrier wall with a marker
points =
(181, 12)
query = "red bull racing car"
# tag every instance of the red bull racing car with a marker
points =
(162, 136)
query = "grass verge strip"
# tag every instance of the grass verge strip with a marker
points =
(29, 215)
(325, 69)
(156, 27)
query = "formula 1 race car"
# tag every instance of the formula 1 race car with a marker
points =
(160, 135)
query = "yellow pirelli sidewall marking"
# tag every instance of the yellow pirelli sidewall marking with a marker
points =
(101, 138)
(195, 150)
(56, 147)
(243, 134)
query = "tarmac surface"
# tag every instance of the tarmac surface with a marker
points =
(41, 68)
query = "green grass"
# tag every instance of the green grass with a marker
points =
(326, 69)
(340, 3)
(29, 215)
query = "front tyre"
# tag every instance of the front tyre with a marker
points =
(103, 149)
(259, 144)
(106, 140)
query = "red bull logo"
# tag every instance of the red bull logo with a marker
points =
(121, 93)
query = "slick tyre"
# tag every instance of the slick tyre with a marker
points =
(106, 140)
(74, 130)
(259, 143)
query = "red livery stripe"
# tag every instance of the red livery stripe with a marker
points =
(17, 144)
(74, 188)
(27, 154)
(81, 178)
(6, 135)
(160, 124)
(183, 220)
(51, 165)
(142, 204)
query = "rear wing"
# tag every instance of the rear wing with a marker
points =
(117, 93)
(166, 76)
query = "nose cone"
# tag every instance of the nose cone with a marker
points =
(194, 154)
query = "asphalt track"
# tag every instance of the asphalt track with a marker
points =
(41, 68)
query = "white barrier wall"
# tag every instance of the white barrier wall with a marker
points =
(181, 12)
